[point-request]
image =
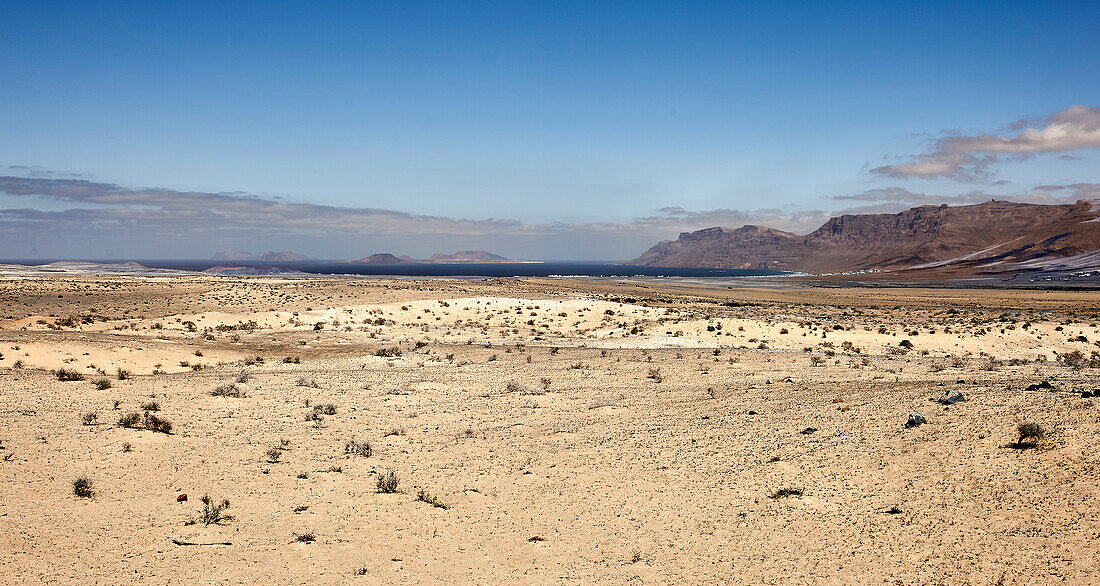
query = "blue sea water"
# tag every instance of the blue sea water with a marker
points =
(533, 269)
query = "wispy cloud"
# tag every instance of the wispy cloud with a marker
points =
(1041, 194)
(195, 224)
(67, 217)
(969, 158)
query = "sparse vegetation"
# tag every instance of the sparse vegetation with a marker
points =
(307, 381)
(68, 374)
(426, 497)
(82, 487)
(229, 390)
(1029, 434)
(149, 421)
(358, 448)
(213, 513)
(387, 482)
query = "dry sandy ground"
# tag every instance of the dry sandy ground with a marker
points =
(573, 432)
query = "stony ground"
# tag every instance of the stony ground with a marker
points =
(544, 431)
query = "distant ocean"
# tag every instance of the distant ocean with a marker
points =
(532, 269)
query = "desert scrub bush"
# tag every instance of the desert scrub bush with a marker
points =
(68, 374)
(89, 418)
(307, 381)
(102, 384)
(273, 455)
(655, 374)
(1029, 433)
(82, 487)
(991, 365)
(358, 448)
(229, 390)
(148, 421)
(305, 537)
(123, 374)
(785, 492)
(325, 409)
(212, 513)
(602, 401)
(387, 482)
(292, 360)
(1077, 360)
(426, 497)
(243, 376)
(150, 406)
(154, 423)
(130, 420)
(388, 352)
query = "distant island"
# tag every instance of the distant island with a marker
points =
(269, 256)
(461, 257)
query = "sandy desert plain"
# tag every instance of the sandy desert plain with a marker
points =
(544, 431)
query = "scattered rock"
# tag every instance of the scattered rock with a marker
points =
(1043, 386)
(752, 412)
(181, 498)
(951, 397)
(808, 430)
(1087, 394)
(916, 418)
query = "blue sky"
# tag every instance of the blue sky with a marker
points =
(591, 128)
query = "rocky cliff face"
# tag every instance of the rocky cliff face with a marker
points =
(748, 247)
(990, 237)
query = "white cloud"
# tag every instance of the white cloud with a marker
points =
(970, 157)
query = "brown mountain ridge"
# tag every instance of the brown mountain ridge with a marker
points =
(991, 237)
